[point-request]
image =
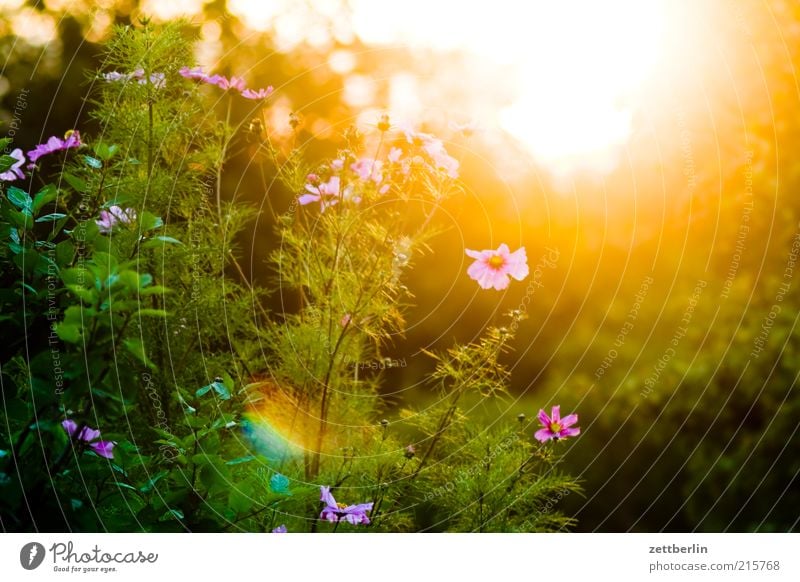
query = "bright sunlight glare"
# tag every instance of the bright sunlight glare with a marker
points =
(578, 63)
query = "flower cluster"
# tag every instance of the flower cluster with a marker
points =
(225, 83)
(158, 80)
(434, 149)
(89, 436)
(113, 216)
(335, 512)
(72, 139)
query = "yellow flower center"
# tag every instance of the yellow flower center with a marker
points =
(341, 505)
(555, 427)
(496, 262)
(69, 133)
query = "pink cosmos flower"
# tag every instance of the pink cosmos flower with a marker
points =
(72, 139)
(434, 147)
(556, 427)
(194, 73)
(224, 83)
(114, 215)
(257, 95)
(494, 268)
(89, 435)
(335, 512)
(368, 169)
(325, 193)
(14, 172)
(394, 155)
(337, 165)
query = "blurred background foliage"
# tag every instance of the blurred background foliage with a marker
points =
(703, 190)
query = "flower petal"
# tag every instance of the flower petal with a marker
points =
(543, 418)
(543, 435)
(555, 415)
(70, 426)
(103, 449)
(569, 432)
(568, 421)
(326, 497)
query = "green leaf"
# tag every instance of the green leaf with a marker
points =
(149, 221)
(240, 460)
(21, 218)
(240, 498)
(93, 162)
(105, 152)
(6, 162)
(5, 142)
(51, 217)
(171, 514)
(147, 487)
(69, 332)
(44, 196)
(78, 184)
(19, 198)
(160, 241)
(87, 295)
(135, 347)
(202, 391)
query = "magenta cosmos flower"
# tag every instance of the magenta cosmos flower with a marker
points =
(335, 512)
(556, 427)
(14, 172)
(90, 436)
(493, 268)
(114, 215)
(72, 139)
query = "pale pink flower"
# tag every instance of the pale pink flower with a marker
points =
(325, 193)
(113, 216)
(368, 169)
(14, 172)
(496, 268)
(394, 155)
(256, 95)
